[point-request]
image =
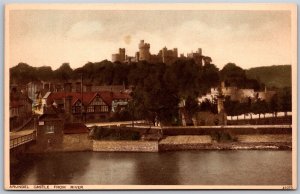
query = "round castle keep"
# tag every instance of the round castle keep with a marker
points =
(144, 54)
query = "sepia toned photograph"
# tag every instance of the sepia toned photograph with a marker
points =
(150, 96)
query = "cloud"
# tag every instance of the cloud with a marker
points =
(85, 29)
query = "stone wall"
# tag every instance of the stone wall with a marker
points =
(125, 146)
(77, 142)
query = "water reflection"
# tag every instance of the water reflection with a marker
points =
(170, 168)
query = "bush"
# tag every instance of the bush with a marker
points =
(115, 133)
(223, 136)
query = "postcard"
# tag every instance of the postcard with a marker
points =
(150, 96)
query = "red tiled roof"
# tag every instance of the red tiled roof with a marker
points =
(75, 128)
(108, 97)
(51, 113)
(87, 97)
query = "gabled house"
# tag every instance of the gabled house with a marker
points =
(87, 106)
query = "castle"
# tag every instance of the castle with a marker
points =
(164, 55)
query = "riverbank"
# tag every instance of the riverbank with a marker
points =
(81, 142)
(243, 142)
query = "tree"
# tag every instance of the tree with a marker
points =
(44, 73)
(208, 106)
(191, 106)
(64, 72)
(23, 73)
(154, 100)
(230, 107)
(233, 75)
(260, 107)
(274, 105)
(286, 100)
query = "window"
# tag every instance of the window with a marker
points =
(101, 108)
(104, 108)
(49, 129)
(90, 109)
(78, 109)
(97, 101)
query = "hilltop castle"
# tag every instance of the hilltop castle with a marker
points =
(164, 55)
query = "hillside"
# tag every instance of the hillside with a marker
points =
(273, 76)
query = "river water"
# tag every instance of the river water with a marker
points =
(242, 167)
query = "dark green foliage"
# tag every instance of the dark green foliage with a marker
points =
(158, 88)
(233, 75)
(274, 104)
(223, 136)
(231, 107)
(124, 115)
(260, 107)
(23, 73)
(116, 133)
(208, 106)
(273, 76)
(44, 73)
(153, 99)
(64, 72)
(285, 101)
(209, 77)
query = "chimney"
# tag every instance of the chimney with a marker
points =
(78, 86)
(47, 87)
(68, 87)
(68, 104)
(88, 87)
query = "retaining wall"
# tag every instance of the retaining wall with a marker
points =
(77, 142)
(125, 146)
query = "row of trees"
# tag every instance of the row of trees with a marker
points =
(108, 73)
(158, 88)
(280, 102)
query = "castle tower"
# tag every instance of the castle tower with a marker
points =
(122, 54)
(137, 56)
(164, 54)
(200, 51)
(175, 51)
(144, 51)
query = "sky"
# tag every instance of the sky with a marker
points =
(52, 37)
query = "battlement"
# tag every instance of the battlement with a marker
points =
(165, 55)
(119, 56)
(144, 45)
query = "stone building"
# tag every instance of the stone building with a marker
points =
(168, 56)
(88, 106)
(50, 129)
(119, 56)
(163, 56)
(144, 51)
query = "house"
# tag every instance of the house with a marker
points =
(87, 106)
(33, 88)
(20, 108)
(40, 102)
(50, 129)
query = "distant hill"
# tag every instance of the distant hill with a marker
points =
(273, 76)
